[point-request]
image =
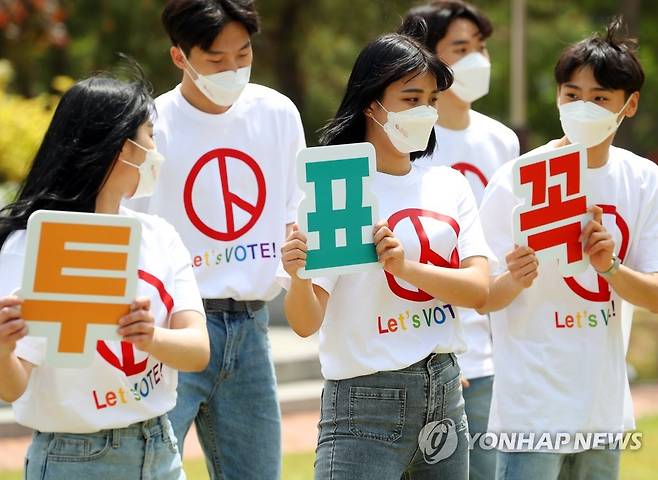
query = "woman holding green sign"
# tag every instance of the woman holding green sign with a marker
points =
(108, 420)
(392, 405)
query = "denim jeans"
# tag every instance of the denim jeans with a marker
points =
(233, 402)
(143, 451)
(587, 465)
(370, 425)
(478, 403)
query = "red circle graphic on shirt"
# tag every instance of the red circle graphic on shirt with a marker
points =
(127, 362)
(464, 168)
(222, 156)
(427, 255)
(603, 292)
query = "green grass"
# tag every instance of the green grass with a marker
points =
(635, 465)
(298, 466)
(642, 464)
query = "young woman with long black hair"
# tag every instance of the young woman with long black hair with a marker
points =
(392, 405)
(108, 420)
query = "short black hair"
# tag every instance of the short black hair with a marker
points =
(382, 62)
(196, 23)
(612, 58)
(429, 23)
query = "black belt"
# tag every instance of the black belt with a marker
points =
(230, 305)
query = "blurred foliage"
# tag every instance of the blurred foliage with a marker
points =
(23, 122)
(307, 49)
(643, 347)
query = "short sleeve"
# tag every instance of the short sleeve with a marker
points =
(471, 242)
(32, 349)
(11, 273)
(296, 142)
(513, 145)
(496, 209)
(644, 257)
(185, 290)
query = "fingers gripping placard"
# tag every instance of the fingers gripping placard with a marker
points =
(555, 210)
(79, 278)
(338, 211)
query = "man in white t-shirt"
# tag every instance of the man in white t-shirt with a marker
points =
(476, 145)
(229, 188)
(558, 342)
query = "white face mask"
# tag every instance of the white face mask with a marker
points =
(588, 123)
(409, 130)
(472, 76)
(223, 88)
(149, 171)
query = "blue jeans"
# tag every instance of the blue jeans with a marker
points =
(587, 465)
(233, 402)
(370, 425)
(478, 402)
(143, 451)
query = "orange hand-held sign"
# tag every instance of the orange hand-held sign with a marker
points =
(80, 277)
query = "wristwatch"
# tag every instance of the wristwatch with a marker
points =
(616, 263)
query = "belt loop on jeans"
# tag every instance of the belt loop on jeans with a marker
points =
(116, 438)
(146, 429)
(164, 427)
(453, 357)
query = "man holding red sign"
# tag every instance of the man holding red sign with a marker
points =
(558, 343)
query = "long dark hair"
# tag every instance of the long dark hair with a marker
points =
(90, 125)
(384, 61)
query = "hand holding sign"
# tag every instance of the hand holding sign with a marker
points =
(79, 278)
(294, 252)
(138, 327)
(338, 212)
(523, 265)
(389, 249)
(555, 211)
(12, 326)
(599, 245)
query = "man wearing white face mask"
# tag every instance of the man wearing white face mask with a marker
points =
(558, 342)
(229, 188)
(476, 145)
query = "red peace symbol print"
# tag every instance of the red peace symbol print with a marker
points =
(464, 167)
(128, 365)
(231, 200)
(427, 255)
(603, 292)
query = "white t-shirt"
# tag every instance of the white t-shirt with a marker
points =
(477, 151)
(375, 322)
(229, 187)
(558, 347)
(123, 385)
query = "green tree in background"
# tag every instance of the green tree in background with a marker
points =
(307, 49)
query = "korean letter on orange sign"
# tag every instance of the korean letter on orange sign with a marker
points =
(79, 278)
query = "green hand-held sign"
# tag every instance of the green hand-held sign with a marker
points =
(338, 212)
